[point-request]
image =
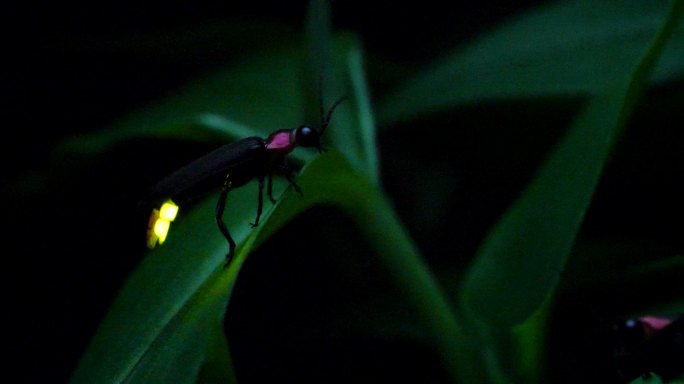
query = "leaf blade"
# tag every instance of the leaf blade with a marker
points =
(366, 121)
(519, 263)
(574, 48)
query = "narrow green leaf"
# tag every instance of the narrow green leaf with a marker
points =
(176, 354)
(329, 77)
(519, 263)
(366, 122)
(218, 368)
(530, 339)
(656, 380)
(672, 264)
(319, 39)
(345, 131)
(361, 200)
(521, 259)
(230, 103)
(570, 48)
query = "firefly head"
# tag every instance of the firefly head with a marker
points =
(306, 136)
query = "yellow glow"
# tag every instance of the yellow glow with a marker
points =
(161, 229)
(159, 223)
(168, 211)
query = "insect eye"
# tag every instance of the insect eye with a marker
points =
(632, 331)
(307, 137)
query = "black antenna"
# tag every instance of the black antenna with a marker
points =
(320, 99)
(325, 122)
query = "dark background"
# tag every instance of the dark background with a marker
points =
(78, 67)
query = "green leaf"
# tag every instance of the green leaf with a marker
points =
(231, 103)
(176, 294)
(239, 102)
(319, 40)
(170, 301)
(333, 181)
(218, 368)
(656, 380)
(530, 340)
(519, 263)
(571, 48)
(159, 320)
(325, 71)
(366, 121)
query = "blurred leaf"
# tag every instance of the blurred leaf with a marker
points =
(667, 273)
(365, 115)
(366, 205)
(326, 73)
(319, 40)
(675, 263)
(571, 48)
(218, 368)
(656, 380)
(242, 94)
(234, 103)
(530, 339)
(209, 39)
(519, 263)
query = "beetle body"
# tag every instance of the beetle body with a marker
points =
(232, 166)
(243, 159)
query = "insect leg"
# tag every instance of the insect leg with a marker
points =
(270, 188)
(220, 206)
(290, 179)
(290, 176)
(260, 204)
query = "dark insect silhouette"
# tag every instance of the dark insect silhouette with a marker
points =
(228, 167)
(649, 345)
